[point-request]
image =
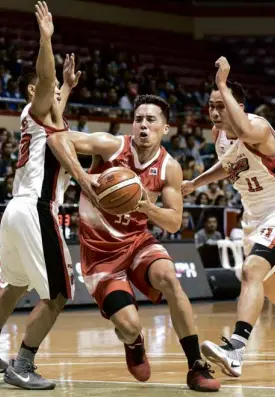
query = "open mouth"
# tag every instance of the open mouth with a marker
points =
(143, 134)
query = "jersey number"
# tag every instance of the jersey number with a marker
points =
(123, 219)
(24, 150)
(253, 184)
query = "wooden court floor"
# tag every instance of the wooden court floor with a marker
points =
(83, 354)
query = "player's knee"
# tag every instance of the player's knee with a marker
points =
(254, 269)
(164, 278)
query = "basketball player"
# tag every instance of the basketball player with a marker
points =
(33, 253)
(245, 146)
(119, 249)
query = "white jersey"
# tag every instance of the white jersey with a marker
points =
(39, 174)
(251, 173)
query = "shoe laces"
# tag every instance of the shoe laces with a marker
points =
(228, 345)
(204, 368)
(30, 367)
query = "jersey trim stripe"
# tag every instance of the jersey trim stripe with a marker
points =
(268, 161)
(49, 130)
(117, 153)
(51, 173)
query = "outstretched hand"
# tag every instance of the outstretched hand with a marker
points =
(69, 76)
(44, 19)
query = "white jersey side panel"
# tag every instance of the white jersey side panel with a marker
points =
(251, 173)
(38, 173)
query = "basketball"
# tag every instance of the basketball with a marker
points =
(119, 190)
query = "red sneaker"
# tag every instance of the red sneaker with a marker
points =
(199, 378)
(137, 362)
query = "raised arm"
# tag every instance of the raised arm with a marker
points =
(170, 216)
(70, 80)
(45, 65)
(66, 145)
(252, 132)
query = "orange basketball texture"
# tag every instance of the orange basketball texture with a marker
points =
(119, 190)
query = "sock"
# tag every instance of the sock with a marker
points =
(241, 334)
(191, 348)
(26, 353)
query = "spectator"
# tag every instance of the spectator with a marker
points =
(213, 191)
(12, 92)
(220, 200)
(236, 233)
(82, 125)
(74, 223)
(3, 136)
(209, 235)
(190, 168)
(191, 150)
(71, 195)
(7, 160)
(114, 128)
(202, 199)
(6, 189)
(175, 149)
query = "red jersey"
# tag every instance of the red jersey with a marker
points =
(101, 231)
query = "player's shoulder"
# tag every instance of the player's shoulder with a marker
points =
(258, 121)
(173, 169)
(215, 133)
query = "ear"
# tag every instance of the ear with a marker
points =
(242, 106)
(31, 90)
(166, 129)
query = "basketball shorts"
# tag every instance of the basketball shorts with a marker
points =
(107, 275)
(261, 232)
(33, 252)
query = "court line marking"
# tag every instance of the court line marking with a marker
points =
(158, 384)
(153, 361)
(122, 354)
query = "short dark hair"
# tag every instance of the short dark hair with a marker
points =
(154, 100)
(27, 77)
(236, 89)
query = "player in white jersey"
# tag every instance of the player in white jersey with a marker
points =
(33, 252)
(246, 150)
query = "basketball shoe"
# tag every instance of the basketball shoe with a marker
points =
(3, 366)
(199, 378)
(136, 359)
(25, 377)
(229, 359)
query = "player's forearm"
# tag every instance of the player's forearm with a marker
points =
(166, 218)
(45, 65)
(238, 119)
(65, 93)
(215, 173)
(64, 150)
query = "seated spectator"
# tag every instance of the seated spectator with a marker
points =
(7, 159)
(12, 92)
(175, 150)
(114, 128)
(190, 168)
(82, 125)
(3, 136)
(220, 200)
(236, 233)
(192, 150)
(6, 189)
(213, 191)
(209, 235)
(202, 199)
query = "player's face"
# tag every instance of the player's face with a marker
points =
(217, 112)
(149, 126)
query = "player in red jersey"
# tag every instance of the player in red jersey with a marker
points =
(119, 249)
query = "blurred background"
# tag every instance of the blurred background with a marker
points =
(161, 47)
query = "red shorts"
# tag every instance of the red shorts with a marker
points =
(103, 274)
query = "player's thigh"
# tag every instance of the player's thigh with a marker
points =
(11, 270)
(151, 264)
(41, 249)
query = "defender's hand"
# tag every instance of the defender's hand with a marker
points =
(223, 71)
(69, 76)
(187, 187)
(44, 19)
(87, 184)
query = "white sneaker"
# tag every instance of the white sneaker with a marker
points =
(230, 360)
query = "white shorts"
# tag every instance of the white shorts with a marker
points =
(33, 252)
(261, 232)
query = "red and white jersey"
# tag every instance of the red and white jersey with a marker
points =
(38, 174)
(251, 173)
(98, 227)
